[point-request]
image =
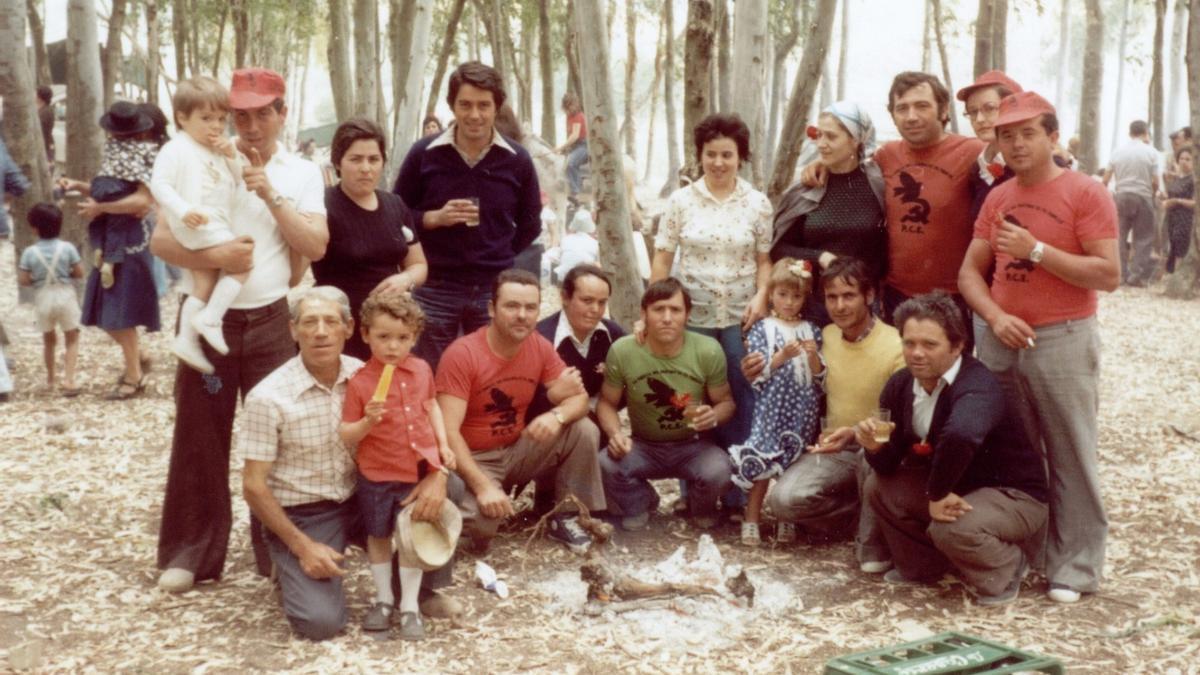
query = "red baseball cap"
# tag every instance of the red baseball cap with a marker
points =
(991, 78)
(1022, 106)
(255, 88)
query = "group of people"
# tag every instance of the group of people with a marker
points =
(903, 351)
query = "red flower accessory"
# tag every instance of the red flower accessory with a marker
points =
(996, 169)
(922, 449)
(801, 268)
(812, 132)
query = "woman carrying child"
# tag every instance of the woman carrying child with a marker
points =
(787, 394)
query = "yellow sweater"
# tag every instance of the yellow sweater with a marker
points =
(857, 371)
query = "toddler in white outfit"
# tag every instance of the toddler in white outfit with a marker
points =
(195, 181)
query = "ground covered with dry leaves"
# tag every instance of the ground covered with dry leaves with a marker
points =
(81, 483)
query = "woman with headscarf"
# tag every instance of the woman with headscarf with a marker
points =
(845, 216)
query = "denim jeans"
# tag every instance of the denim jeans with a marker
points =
(703, 465)
(576, 158)
(452, 308)
(737, 429)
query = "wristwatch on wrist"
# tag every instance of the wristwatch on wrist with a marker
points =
(275, 200)
(558, 415)
(1038, 252)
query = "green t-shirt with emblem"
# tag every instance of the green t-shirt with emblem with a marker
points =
(658, 388)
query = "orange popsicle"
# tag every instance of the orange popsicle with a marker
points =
(385, 383)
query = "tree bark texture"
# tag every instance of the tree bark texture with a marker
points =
(546, 67)
(1175, 87)
(927, 38)
(750, 78)
(409, 93)
(653, 95)
(448, 37)
(941, 44)
(1122, 44)
(983, 36)
(179, 36)
(341, 73)
(1089, 98)
(1157, 118)
(570, 40)
(1000, 34)
(37, 33)
(365, 34)
(697, 60)
(816, 46)
(669, 101)
(241, 32)
(1186, 279)
(111, 66)
(1064, 52)
(152, 51)
(628, 130)
(528, 38)
(22, 132)
(85, 139)
(783, 50)
(843, 52)
(613, 221)
(724, 91)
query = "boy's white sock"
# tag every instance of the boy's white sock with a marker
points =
(410, 589)
(209, 321)
(382, 573)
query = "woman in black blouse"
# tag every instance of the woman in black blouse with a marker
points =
(372, 240)
(845, 216)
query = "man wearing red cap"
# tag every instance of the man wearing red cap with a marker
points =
(280, 220)
(981, 100)
(1051, 234)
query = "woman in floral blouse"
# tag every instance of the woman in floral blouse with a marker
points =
(721, 227)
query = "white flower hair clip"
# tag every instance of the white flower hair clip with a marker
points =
(801, 268)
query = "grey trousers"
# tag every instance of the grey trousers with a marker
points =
(700, 462)
(1055, 388)
(569, 463)
(316, 608)
(822, 494)
(984, 545)
(1135, 218)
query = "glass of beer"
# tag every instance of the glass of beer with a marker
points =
(473, 222)
(883, 424)
(689, 413)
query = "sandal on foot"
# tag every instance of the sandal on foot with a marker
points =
(126, 390)
(71, 392)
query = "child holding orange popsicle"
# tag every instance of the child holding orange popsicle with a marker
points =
(392, 417)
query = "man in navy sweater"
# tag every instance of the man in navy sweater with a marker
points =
(475, 194)
(957, 482)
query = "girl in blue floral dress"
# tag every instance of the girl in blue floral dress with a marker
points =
(787, 394)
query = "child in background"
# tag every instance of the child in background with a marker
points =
(787, 394)
(399, 439)
(195, 181)
(579, 246)
(125, 166)
(48, 266)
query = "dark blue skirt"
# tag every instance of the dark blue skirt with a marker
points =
(132, 301)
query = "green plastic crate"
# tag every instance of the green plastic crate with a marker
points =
(943, 654)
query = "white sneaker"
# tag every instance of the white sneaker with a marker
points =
(785, 533)
(1062, 594)
(190, 352)
(211, 332)
(875, 566)
(750, 534)
(176, 580)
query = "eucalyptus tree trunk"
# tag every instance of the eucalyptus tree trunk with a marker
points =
(843, 51)
(180, 39)
(724, 90)
(216, 62)
(570, 40)
(85, 139)
(783, 50)
(439, 72)
(152, 51)
(628, 130)
(926, 37)
(1156, 78)
(37, 33)
(1186, 279)
(528, 38)
(365, 35)
(669, 100)
(697, 81)
(1122, 43)
(613, 222)
(750, 78)
(654, 89)
(1000, 34)
(1089, 98)
(983, 36)
(1064, 52)
(341, 72)
(1178, 23)
(546, 67)
(409, 93)
(111, 66)
(941, 45)
(22, 131)
(816, 46)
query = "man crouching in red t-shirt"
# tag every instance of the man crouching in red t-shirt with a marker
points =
(1052, 235)
(485, 382)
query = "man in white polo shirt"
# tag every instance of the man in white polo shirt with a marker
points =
(280, 216)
